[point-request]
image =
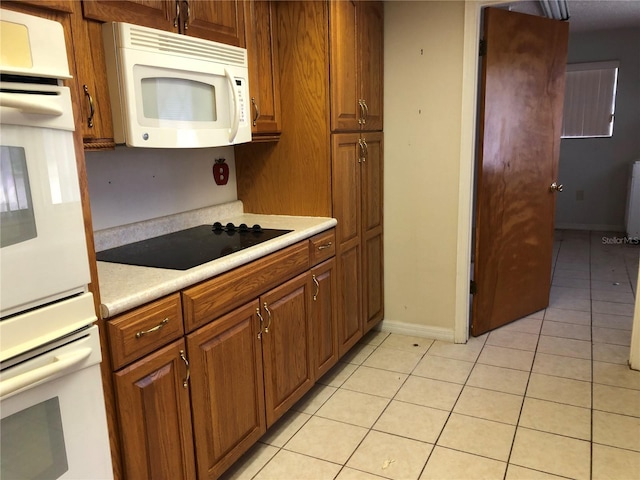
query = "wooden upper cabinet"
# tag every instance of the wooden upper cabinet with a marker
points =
(345, 93)
(371, 54)
(162, 14)
(55, 5)
(219, 20)
(264, 70)
(93, 91)
(356, 42)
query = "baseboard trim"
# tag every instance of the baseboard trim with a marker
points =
(424, 331)
(590, 227)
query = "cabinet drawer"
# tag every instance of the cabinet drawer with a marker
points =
(322, 246)
(144, 329)
(213, 298)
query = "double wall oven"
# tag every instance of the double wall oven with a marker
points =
(53, 422)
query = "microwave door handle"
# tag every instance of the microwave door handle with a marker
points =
(233, 131)
(30, 104)
(59, 364)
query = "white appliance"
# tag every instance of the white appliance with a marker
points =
(173, 91)
(52, 415)
(633, 203)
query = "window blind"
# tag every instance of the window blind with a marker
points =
(589, 101)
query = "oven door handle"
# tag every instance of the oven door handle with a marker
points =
(59, 364)
(31, 103)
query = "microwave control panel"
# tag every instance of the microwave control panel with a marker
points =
(241, 99)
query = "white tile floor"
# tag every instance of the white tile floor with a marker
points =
(548, 396)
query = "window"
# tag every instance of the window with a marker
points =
(589, 100)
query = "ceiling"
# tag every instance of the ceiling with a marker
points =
(591, 14)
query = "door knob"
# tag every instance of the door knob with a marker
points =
(555, 187)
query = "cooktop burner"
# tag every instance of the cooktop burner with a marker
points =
(191, 247)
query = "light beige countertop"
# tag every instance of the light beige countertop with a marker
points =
(123, 287)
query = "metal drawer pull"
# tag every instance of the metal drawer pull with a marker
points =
(266, 330)
(261, 322)
(187, 20)
(317, 284)
(185, 382)
(325, 246)
(92, 109)
(175, 19)
(154, 329)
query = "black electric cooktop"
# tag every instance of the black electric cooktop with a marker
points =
(189, 248)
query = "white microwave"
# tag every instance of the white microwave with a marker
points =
(173, 91)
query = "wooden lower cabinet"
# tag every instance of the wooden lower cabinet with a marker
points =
(155, 416)
(372, 180)
(349, 296)
(192, 408)
(227, 389)
(324, 319)
(357, 166)
(247, 369)
(286, 339)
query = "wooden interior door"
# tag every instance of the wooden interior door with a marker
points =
(520, 121)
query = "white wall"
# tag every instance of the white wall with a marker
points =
(599, 167)
(128, 185)
(422, 149)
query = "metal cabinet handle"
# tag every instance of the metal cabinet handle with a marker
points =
(361, 104)
(325, 246)
(185, 382)
(255, 106)
(266, 329)
(154, 329)
(366, 150)
(317, 284)
(361, 154)
(366, 111)
(555, 187)
(175, 19)
(261, 322)
(92, 109)
(188, 19)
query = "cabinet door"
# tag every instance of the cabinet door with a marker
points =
(345, 81)
(372, 229)
(370, 56)
(161, 14)
(347, 155)
(155, 416)
(324, 318)
(218, 20)
(93, 90)
(286, 345)
(227, 389)
(264, 70)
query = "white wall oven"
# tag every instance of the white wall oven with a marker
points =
(53, 423)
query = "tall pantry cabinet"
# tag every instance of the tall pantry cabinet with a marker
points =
(329, 158)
